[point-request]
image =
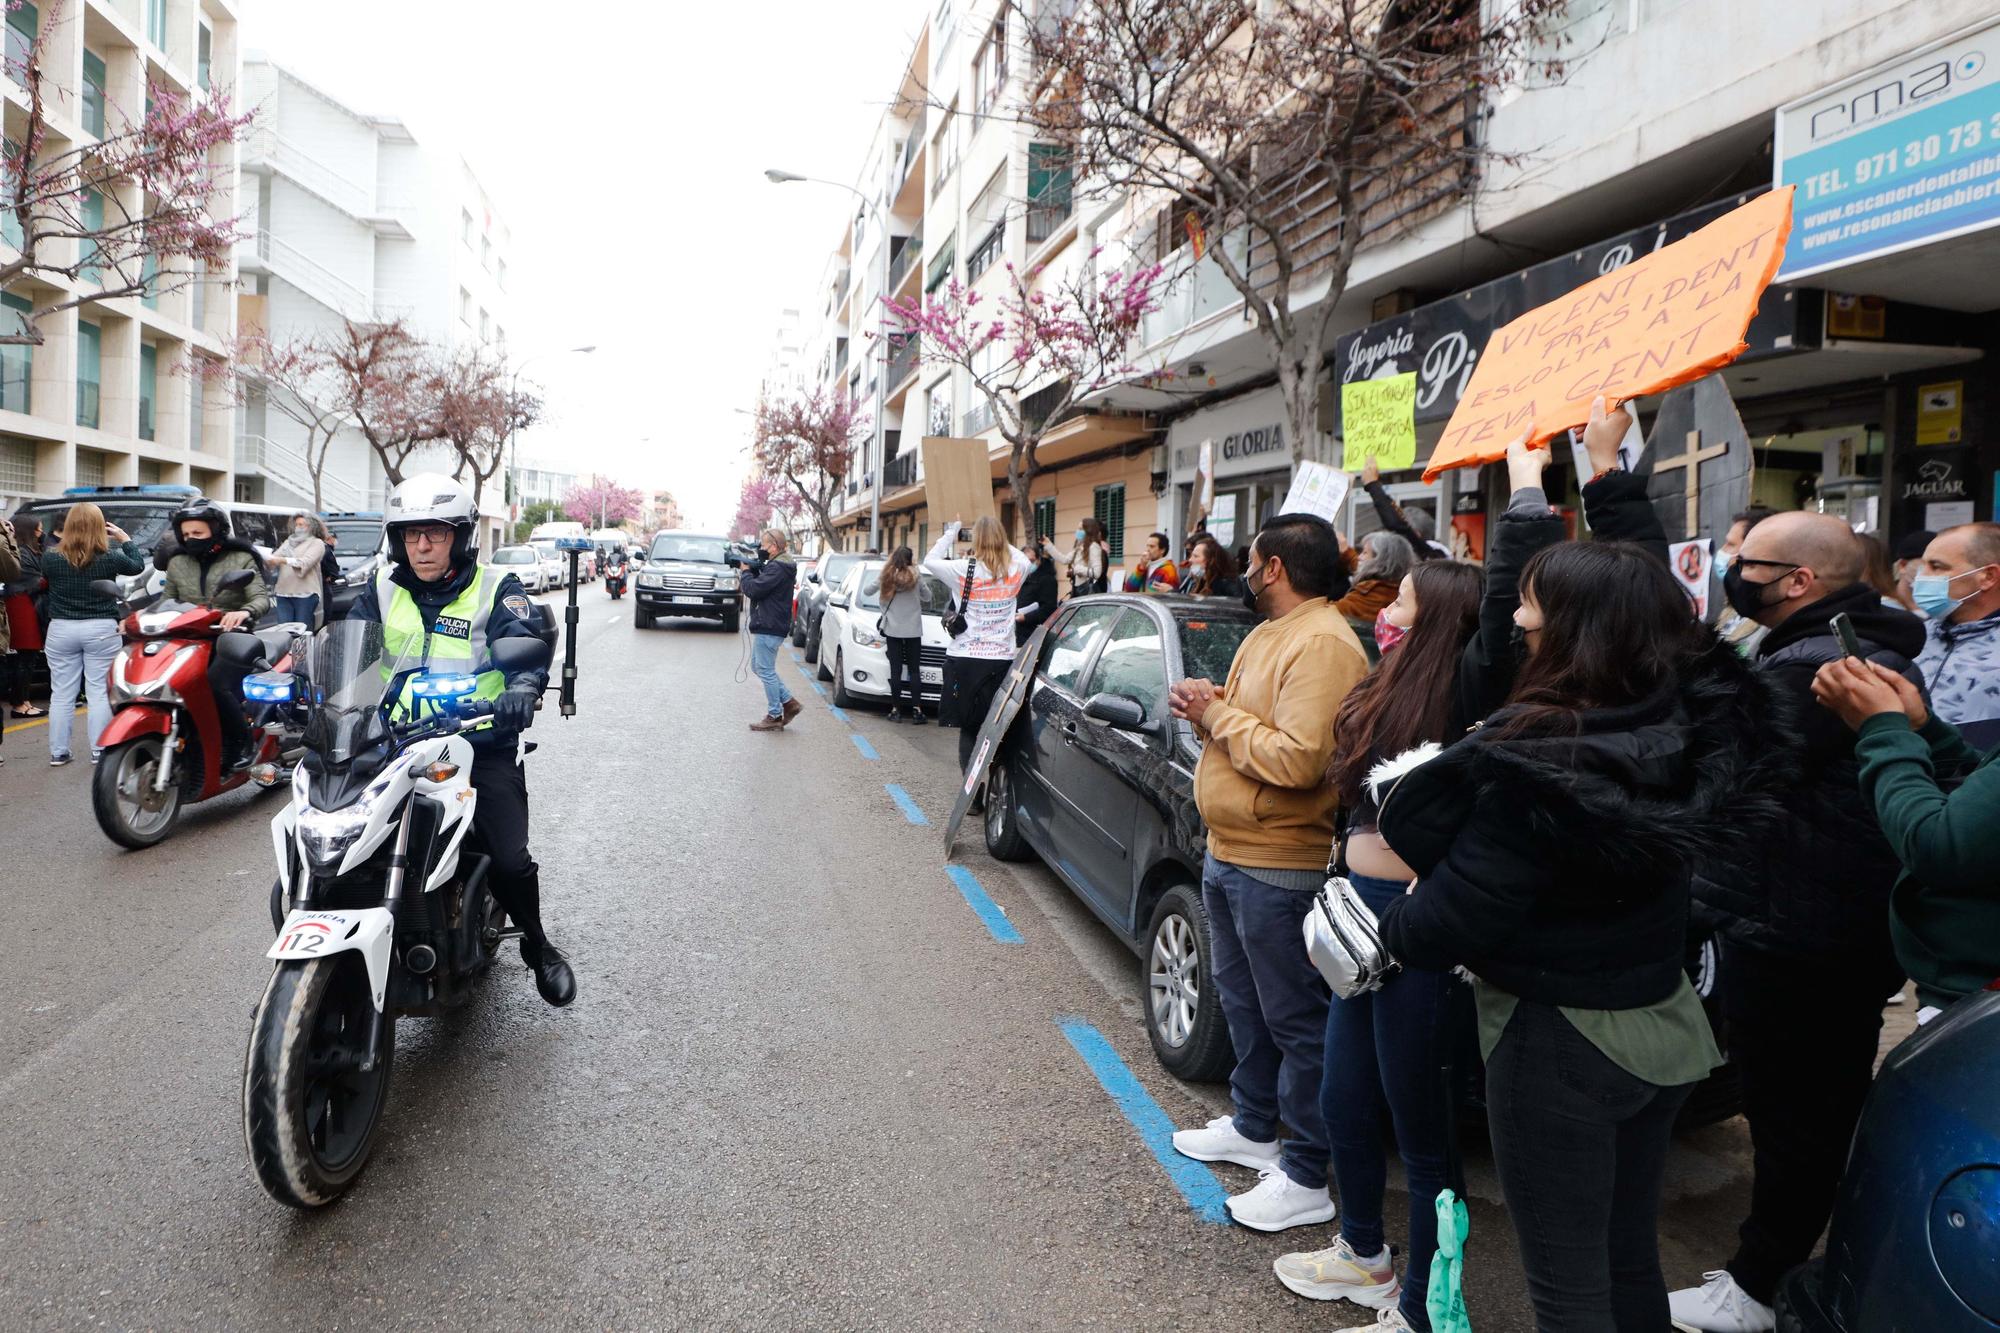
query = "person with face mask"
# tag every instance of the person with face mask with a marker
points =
(1211, 571)
(1958, 587)
(1806, 958)
(1268, 736)
(1377, 571)
(1907, 561)
(1736, 628)
(769, 588)
(1088, 561)
(194, 576)
(297, 561)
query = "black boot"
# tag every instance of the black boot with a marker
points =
(553, 977)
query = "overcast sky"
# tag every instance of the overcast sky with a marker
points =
(625, 145)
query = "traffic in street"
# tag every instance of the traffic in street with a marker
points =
(818, 1073)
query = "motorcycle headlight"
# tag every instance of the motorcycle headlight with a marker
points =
(159, 688)
(328, 834)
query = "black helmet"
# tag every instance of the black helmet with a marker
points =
(208, 511)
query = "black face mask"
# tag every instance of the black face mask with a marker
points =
(1250, 592)
(202, 548)
(1517, 642)
(1746, 598)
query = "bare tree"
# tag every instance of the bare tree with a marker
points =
(127, 213)
(302, 384)
(1278, 135)
(478, 410)
(809, 441)
(388, 387)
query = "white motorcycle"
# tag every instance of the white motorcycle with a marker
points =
(381, 912)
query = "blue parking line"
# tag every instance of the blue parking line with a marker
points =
(911, 810)
(861, 744)
(1196, 1182)
(838, 714)
(983, 905)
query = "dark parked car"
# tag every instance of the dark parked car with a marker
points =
(1915, 1240)
(685, 575)
(817, 582)
(1097, 778)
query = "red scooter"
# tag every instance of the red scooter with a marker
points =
(614, 578)
(163, 748)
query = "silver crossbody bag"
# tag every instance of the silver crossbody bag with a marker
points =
(1343, 937)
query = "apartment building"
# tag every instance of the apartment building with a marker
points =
(538, 484)
(114, 395)
(350, 217)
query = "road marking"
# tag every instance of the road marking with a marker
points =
(983, 906)
(36, 722)
(1196, 1182)
(838, 714)
(911, 810)
(861, 744)
(614, 620)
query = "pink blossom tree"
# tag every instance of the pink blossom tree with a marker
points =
(1066, 338)
(603, 503)
(762, 496)
(808, 442)
(129, 212)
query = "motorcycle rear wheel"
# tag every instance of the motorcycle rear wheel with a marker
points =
(310, 1112)
(129, 811)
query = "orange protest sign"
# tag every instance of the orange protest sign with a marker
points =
(1666, 319)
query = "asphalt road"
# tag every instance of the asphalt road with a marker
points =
(805, 1085)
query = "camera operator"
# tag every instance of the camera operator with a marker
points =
(767, 582)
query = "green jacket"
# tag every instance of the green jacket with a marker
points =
(1938, 802)
(189, 581)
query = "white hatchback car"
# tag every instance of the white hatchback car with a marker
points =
(854, 655)
(525, 564)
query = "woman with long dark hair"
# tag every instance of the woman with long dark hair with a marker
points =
(1552, 851)
(903, 632)
(1397, 1039)
(1211, 571)
(1089, 561)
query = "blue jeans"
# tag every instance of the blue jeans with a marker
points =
(1391, 1044)
(300, 609)
(1275, 1004)
(764, 661)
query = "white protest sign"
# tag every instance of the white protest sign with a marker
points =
(1692, 565)
(1316, 489)
(1222, 520)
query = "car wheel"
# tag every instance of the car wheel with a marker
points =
(640, 620)
(1183, 1014)
(798, 634)
(812, 642)
(731, 621)
(1003, 815)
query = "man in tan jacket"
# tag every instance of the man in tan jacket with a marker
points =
(1262, 790)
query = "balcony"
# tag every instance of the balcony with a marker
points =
(310, 276)
(912, 146)
(977, 421)
(1047, 214)
(900, 471)
(907, 260)
(265, 147)
(986, 252)
(905, 351)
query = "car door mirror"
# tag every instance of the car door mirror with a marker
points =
(1116, 711)
(840, 602)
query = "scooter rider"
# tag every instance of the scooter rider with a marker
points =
(207, 553)
(436, 588)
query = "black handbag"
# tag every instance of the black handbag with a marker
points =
(954, 624)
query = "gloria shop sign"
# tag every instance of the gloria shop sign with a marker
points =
(1246, 436)
(1442, 341)
(1900, 156)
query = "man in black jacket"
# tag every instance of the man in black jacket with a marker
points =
(768, 585)
(1807, 961)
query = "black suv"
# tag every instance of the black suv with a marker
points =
(685, 575)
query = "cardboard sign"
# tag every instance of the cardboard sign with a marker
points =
(1000, 714)
(1316, 489)
(1204, 477)
(1379, 417)
(957, 480)
(1668, 318)
(1692, 564)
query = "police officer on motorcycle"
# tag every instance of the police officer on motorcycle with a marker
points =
(437, 599)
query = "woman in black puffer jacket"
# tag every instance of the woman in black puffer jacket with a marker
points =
(1553, 851)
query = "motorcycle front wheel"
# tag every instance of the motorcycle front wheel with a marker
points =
(129, 811)
(310, 1110)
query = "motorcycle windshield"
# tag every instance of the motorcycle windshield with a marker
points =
(352, 686)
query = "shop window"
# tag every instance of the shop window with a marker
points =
(1108, 505)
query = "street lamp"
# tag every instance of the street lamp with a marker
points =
(513, 389)
(777, 177)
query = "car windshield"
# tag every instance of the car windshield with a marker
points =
(514, 555)
(707, 549)
(835, 569)
(932, 595)
(144, 521)
(355, 541)
(1208, 647)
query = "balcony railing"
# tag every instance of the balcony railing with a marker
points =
(904, 354)
(313, 277)
(840, 360)
(900, 471)
(1047, 214)
(906, 258)
(987, 251)
(348, 196)
(977, 421)
(840, 288)
(911, 147)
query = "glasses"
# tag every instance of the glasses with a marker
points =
(427, 536)
(1775, 564)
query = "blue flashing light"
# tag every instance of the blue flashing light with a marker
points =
(455, 686)
(156, 488)
(575, 544)
(268, 687)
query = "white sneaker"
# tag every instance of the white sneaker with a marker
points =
(1277, 1202)
(1218, 1141)
(1720, 1306)
(1391, 1318)
(1337, 1273)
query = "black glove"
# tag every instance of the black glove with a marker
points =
(514, 709)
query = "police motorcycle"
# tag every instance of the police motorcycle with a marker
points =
(381, 910)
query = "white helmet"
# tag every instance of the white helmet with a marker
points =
(432, 497)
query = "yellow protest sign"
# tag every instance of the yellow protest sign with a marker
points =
(1379, 417)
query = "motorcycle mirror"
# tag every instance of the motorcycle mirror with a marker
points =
(518, 654)
(237, 578)
(239, 649)
(107, 588)
(545, 625)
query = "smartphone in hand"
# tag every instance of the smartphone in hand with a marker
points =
(1850, 642)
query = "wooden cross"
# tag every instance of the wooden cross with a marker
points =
(1692, 461)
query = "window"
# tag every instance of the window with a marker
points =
(10, 222)
(500, 273)
(465, 305)
(944, 150)
(90, 469)
(93, 221)
(93, 93)
(987, 219)
(939, 420)
(989, 71)
(149, 385)
(17, 363)
(465, 232)
(1068, 653)
(22, 25)
(482, 326)
(156, 23)
(149, 271)
(1133, 664)
(204, 55)
(486, 253)
(1045, 518)
(151, 472)
(943, 264)
(1108, 506)
(197, 411)
(1048, 190)
(89, 343)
